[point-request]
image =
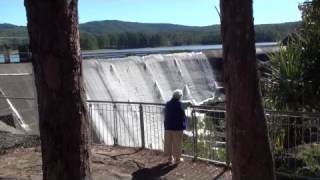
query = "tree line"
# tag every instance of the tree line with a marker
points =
(89, 41)
(127, 40)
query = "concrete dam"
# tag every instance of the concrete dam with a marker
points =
(148, 78)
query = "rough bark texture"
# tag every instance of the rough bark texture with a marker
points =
(54, 43)
(246, 124)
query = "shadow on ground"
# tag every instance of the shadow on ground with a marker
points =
(154, 173)
(218, 176)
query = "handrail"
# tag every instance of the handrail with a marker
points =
(214, 108)
(18, 98)
(150, 103)
(196, 107)
(125, 102)
(290, 113)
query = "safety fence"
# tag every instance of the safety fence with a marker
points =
(295, 137)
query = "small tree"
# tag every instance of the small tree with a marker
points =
(285, 90)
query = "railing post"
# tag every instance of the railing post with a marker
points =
(90, 124)
(195, 135)
(228, 140)
(115, 126)
(143, 143)
(6, 55)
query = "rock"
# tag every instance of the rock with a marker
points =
(12, 141)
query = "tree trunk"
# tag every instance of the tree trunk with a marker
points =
(54, 43)
(6, 55)
(246, 123)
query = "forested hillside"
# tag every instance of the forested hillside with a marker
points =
(119, 34)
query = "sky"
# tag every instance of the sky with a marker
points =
(185, 12)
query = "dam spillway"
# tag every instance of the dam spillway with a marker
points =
(149, 78)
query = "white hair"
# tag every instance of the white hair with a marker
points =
(177, 94)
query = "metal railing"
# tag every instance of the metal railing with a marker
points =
(134, 124)
(209, 140)
(295, 140)
(295, 137)
(127, 124)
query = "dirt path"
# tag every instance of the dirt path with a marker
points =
(20, 158)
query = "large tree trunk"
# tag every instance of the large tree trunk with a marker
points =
(54, 43)
(246, 123)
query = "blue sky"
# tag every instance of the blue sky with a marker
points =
(186, 12)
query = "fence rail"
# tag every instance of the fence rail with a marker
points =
(295, 137)
(127, 124)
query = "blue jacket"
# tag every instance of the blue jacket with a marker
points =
(175, 117)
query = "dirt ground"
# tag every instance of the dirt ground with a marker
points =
(20, 158)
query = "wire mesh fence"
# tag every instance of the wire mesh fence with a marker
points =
(295, 138)
(127, 124)
(206, 134)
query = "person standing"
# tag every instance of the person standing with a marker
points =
(174, 123)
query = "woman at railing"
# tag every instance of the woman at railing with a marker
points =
(174, 124)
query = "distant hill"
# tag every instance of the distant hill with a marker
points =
(114, 26)
(120, 34)
(7, 26)
(9, 30)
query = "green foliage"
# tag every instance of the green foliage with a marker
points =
(310, 155)
(221, 154)
(287, 88)
(187, 146)
(88, 41)
(277, 135)
(206, 139)
(103, 41)
(295, 78)
(310, 32)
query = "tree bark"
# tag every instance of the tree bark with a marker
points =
(247, 134)
(63, 118)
